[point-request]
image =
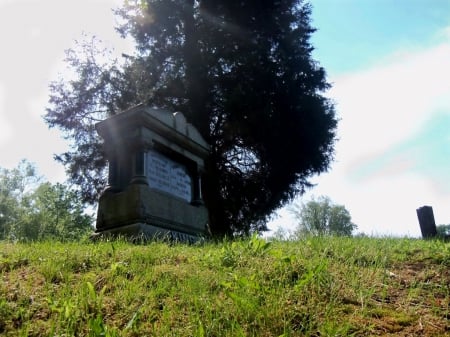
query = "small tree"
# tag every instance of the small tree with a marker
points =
(322, 217)
(443, 230)
(15, 184)
(55, 212)
(31, 209)
(281, 234)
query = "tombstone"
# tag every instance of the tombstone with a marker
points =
(426, 222)
(156, 160)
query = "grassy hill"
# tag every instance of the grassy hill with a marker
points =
(313, 287)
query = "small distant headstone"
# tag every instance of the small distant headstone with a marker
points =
(156, 160)
(426, 222)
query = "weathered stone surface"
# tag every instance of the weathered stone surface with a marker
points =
(148, 125)
(140, 204)
(156, 160)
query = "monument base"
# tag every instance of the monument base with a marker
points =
(145, 232)
(140, 213)
(156, 160)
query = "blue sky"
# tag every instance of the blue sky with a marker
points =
(388, 61)
(354, 34)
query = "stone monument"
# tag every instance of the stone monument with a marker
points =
(156, 160)
(426, 222)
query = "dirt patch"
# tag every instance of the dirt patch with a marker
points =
(414, 300)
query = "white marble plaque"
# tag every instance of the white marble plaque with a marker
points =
(168, 176)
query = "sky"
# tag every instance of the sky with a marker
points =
(389, 65)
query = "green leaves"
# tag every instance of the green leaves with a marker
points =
(322, 217)
(257, 245)
(32, 209)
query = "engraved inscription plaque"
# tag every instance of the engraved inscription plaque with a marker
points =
(168, 176)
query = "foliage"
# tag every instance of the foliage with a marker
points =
(443, 230)
(281, 234)
(240, 71)
(318, 286)
(55, 212)
(322, 217)
(15, 185)
(31, 209)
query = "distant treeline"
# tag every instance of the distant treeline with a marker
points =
(33, 209)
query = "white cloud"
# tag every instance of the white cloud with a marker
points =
(385, 105)
(5, 128)
(444, 34)
(46, 28)
(382, 108)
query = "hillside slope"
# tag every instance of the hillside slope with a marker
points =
(312, 287)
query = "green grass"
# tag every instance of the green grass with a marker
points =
(312, 287)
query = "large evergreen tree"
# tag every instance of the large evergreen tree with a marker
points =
(240, 71)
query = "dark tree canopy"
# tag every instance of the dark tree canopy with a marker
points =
(240, 71)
